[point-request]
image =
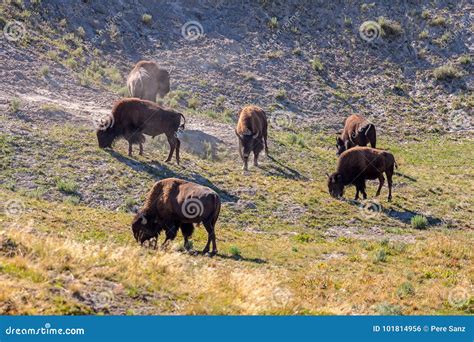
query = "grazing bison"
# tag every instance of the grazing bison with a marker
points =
(358, 164)
(251, 130)
(132, 118)
(146, 80)
(357, 132)
(174, 203)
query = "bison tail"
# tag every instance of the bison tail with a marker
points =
(181, 127)
(396, 165)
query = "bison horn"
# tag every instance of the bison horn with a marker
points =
(255, 135)
(144, 220)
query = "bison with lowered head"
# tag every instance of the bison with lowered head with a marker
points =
(132, 118)
(357, 132)
(251, 130)
(173, 204)
(146, 80)
(358, 164)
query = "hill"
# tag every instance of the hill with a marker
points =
(286, 246)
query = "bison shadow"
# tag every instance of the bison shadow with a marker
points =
(405, 215)
(229, 257)
(160, 171)
(199, 143)
(405, 176)
(401, 214)
(279, 169)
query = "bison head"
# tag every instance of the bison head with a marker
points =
(247, 144)
(335, 185)
(340, 146)
(144, 227)
(105, 137)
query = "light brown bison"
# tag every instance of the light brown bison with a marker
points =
(174, 203)
(358, 131)
(131, 118)
(358, 164)
(146, 80)
(252, 127)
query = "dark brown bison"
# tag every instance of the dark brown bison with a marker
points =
(132, 118)
(358, 164)
(357, 132)
(146, 80)
(173, 204)
(252, 127)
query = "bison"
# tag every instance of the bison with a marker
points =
(252, 127)
(358, 164)
(174, 203)
(131, 118)
(146, 80)
(357, 132)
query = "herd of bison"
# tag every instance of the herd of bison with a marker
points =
(174, 204)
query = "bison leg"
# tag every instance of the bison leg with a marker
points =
(381, 181)
(178, 144)
(172, 142)
(362, 189)
(357, 193)
(255, 159)
(211, 237)
(187, 230)
(265, 135)
(389, 174)
(141, 149)
(129, 148)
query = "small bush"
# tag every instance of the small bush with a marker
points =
(53, 55)
(303, 238)
(387, 309)
(446, 72)
(193, 102)
(146, 18)
(380, 255)
(273, 23)
(438, 21)
(465, 59)
(419, 222)
(81, 32)
(235, 251)
(317, 65)
(274, 54)
(15, 105)
(67, 187)
(405, 290)
(44, 70)
(390, 28)
(423, 34)
(220, 101)
(280, 94)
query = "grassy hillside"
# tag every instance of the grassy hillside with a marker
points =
(285, 246)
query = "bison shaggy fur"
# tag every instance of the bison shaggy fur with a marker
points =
(251, 130)
(358, 131)
(132, 118)
(358, 164)
(173, 204)
(147, 80)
